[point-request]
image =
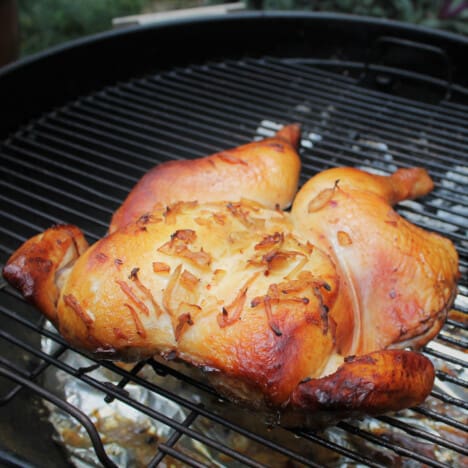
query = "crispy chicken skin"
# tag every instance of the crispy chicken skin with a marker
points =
(292, 312)
(266, 171)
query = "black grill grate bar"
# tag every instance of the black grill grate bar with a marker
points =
(88, 151)
(113, 134)
(5, 249)
(441, 417)
(125, 380)
(372, 97)
(70, 409)
(51, 219)
(50, 150)
(44, 161)
(450, 378)
(255, 94)
(455, 107)
(445, 357)
(140, 135)
(53, 203)
(359, 457)
(463, 267)
(455, 323)
(167, 450)
(13, 235)
(127, 400)
(449, 399)
(389, 445)
(462, 325)
(324, 74)
(149, 386)
(85, 142)
(224, 84)
(171, 441)
(54, 190)
(421, 434)
(136, 119)
(341, 96)
(454, 341)
(172, 108)
(57, 173)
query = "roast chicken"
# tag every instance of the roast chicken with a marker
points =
(304, 313)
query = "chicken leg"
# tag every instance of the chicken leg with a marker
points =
(398, 279)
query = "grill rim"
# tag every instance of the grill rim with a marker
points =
(232, 17)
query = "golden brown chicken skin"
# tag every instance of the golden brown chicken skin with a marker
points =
(398, 279)
(266, 171)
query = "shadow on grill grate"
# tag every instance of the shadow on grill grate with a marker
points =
(76, 165)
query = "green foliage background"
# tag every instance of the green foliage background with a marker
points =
(44, 23)
(429, 13)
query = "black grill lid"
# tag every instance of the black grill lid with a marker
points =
(76, 161)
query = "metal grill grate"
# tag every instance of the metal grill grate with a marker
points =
(76, 165)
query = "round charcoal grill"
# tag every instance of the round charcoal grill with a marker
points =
(80, 124)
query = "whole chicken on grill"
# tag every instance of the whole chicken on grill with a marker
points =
(296, 312)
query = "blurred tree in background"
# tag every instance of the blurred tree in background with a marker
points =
(444, 14)
(44, 23)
